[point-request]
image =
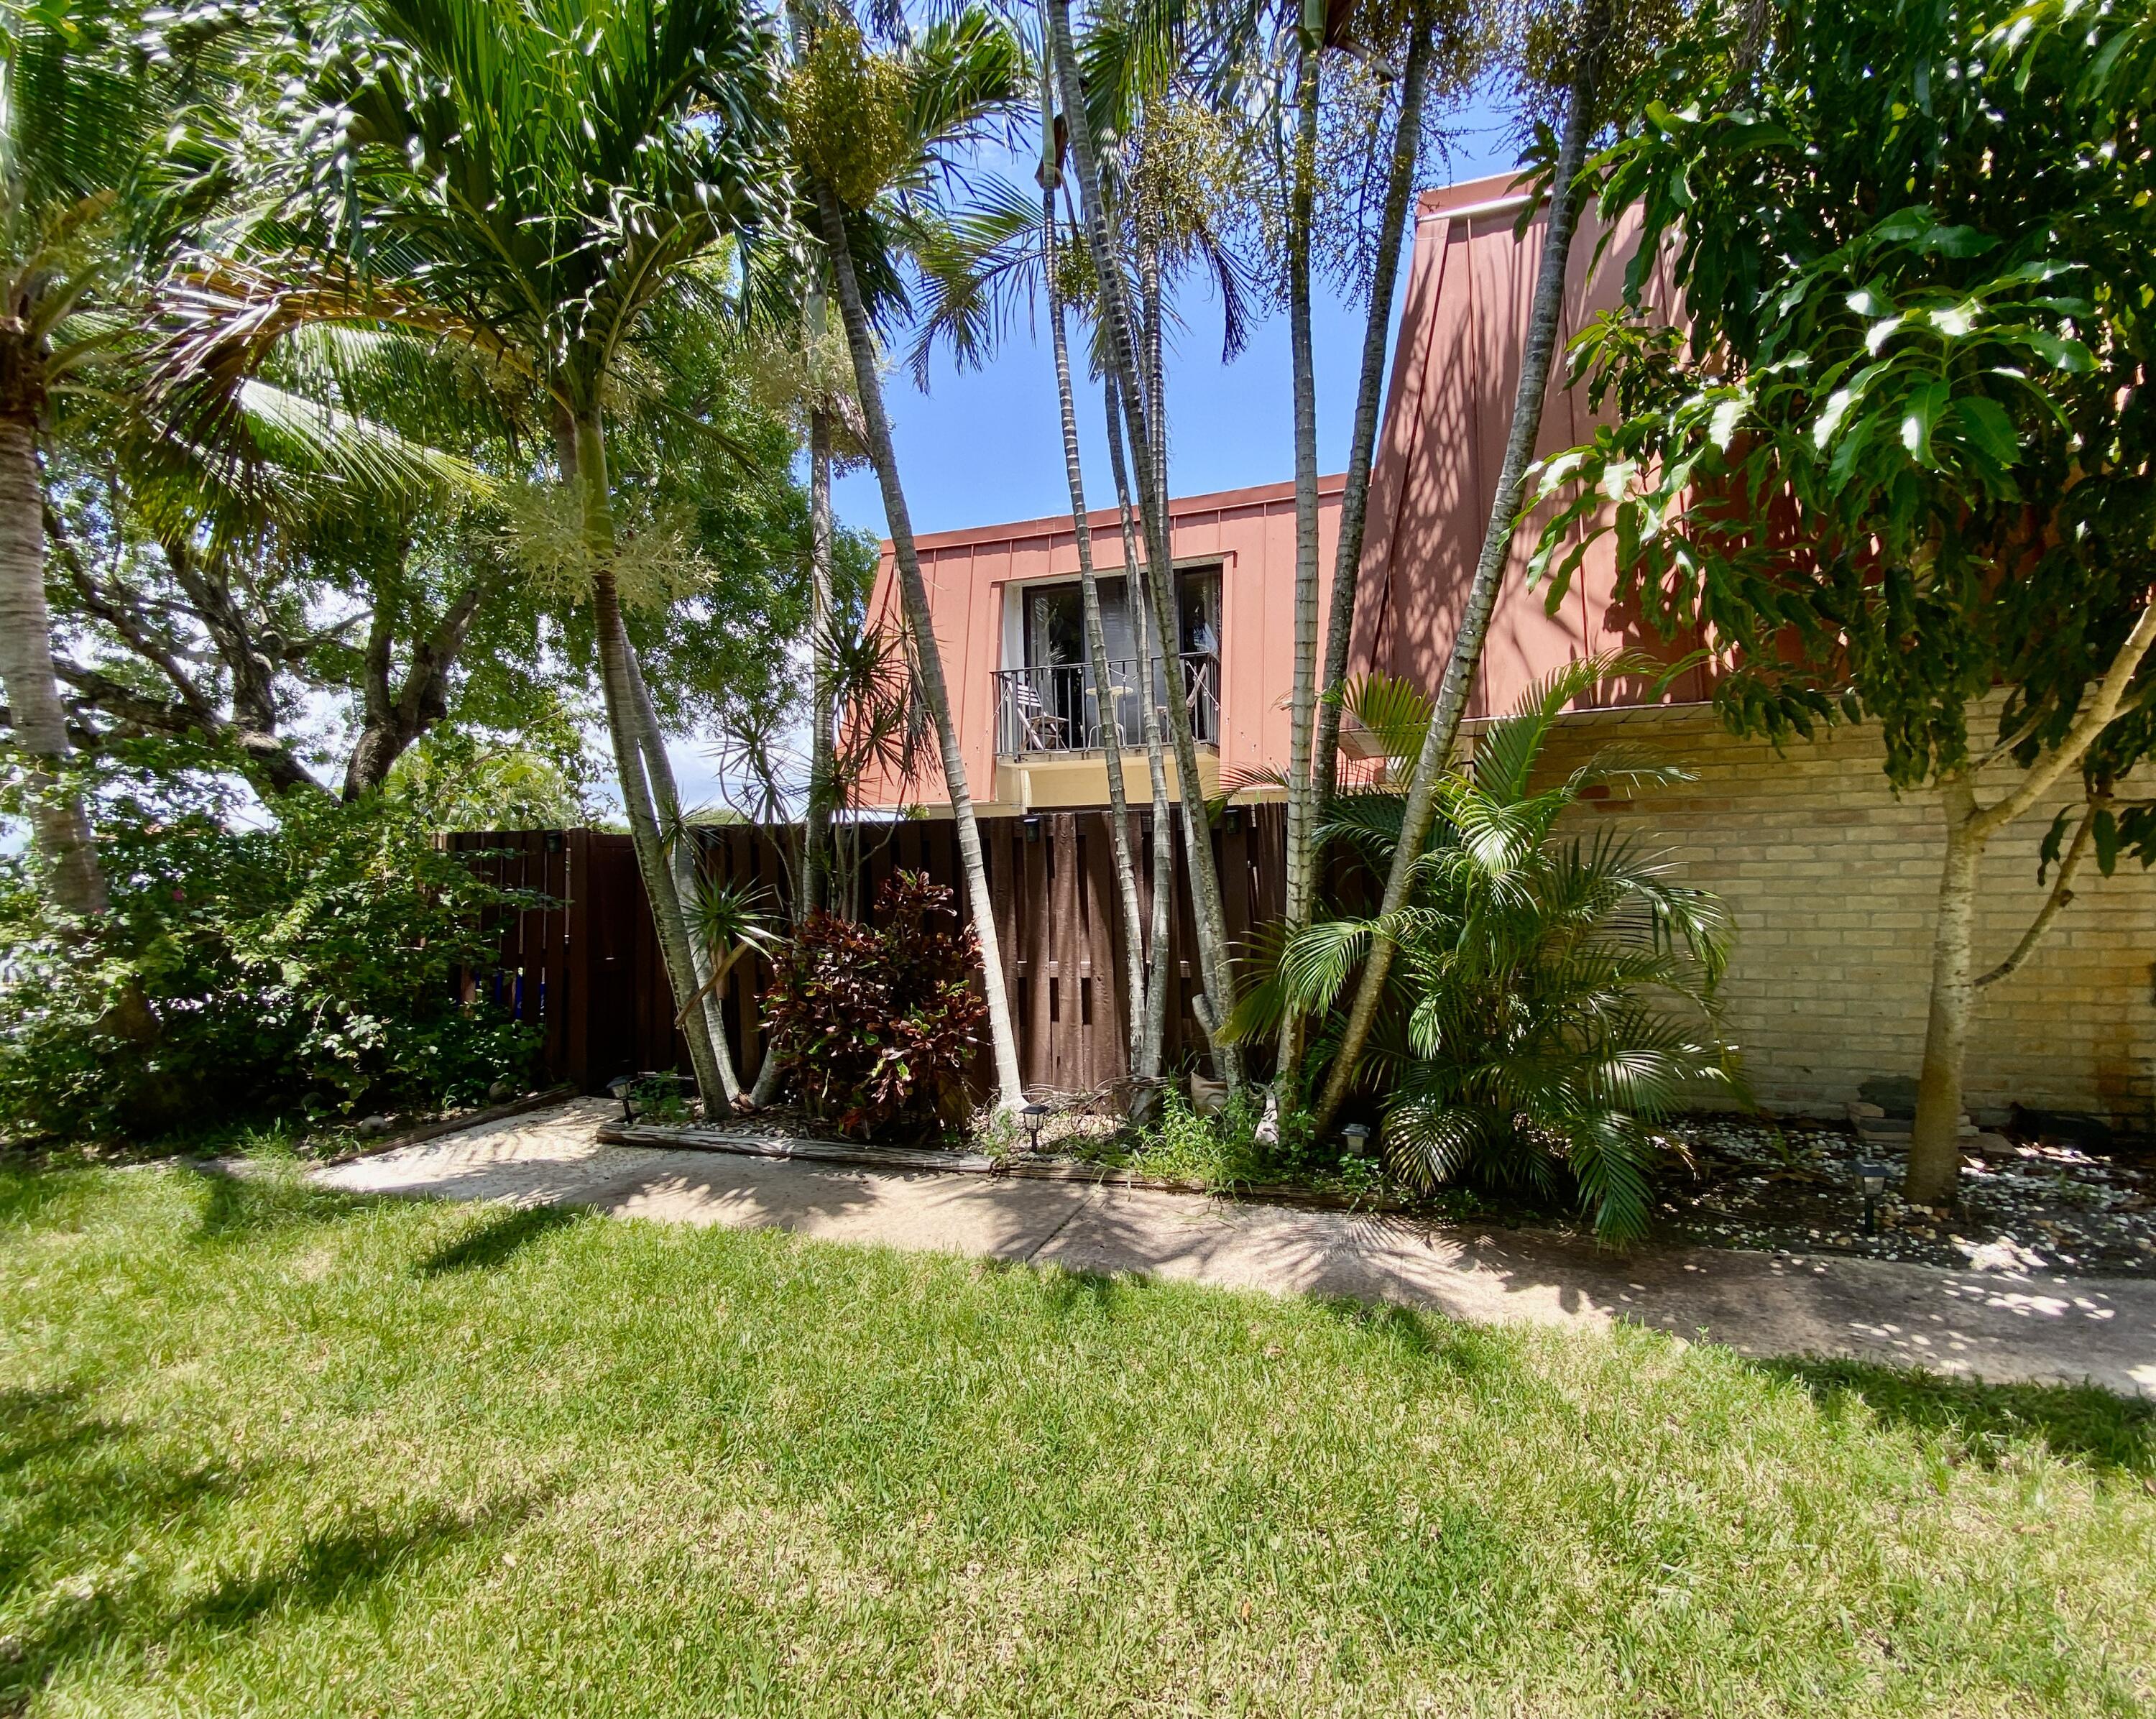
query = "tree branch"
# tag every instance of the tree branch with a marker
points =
(2094, 719)
(124, 620)
(269, 757)
(2062, 892)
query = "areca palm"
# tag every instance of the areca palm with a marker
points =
(1096, 643)
(1162, 174)
(1584, 29)
(531, 178)
(871, 131)
(1410, 42)
(1550, 998)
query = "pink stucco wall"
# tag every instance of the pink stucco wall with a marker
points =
(1250, 533)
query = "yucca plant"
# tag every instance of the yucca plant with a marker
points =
(1551, 997)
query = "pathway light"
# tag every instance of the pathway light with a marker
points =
(1871, 1177)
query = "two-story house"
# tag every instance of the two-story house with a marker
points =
(1830, 875)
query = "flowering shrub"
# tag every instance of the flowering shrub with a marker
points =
(875, 1024)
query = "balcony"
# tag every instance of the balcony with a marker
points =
(1056, 709)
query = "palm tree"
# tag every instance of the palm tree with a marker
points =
(1096, 643)
(1141, 424)
(1151, 1043)
(533, 179)
(1550, 998)
(1316, 707)
(803, 369)
(1162, 181)
(74, 122)
(1587, 47)
(1417, 55)
(868, 127)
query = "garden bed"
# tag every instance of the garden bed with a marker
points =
(2031, 1204)
(2034, 1205)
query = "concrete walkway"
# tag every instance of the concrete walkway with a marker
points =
(1991, 1325)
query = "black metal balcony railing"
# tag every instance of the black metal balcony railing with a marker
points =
(1057, 708)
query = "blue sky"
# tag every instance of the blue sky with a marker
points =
(987, 446)
(984, 447)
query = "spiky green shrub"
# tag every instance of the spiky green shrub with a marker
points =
(1552, 997)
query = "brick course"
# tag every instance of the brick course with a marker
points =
(1832, 879)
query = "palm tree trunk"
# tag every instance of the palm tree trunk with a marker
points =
(928, 656)
(624, 727)
(1213, 954)
(1146, 1060)
(58, 824)
(1536, 349)
(1096, 646)
(1355, 497)
(816, 834)
(1302, 698)
(819, 842)
(709, 1015)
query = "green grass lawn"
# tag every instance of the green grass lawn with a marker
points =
(268, 1450)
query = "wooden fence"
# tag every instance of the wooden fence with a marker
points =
(585, 972)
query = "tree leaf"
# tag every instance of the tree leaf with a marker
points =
(2104, 834)
(2066, 354)
(1921, 417)
(1984, 421)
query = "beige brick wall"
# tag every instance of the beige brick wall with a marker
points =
(1831, 878)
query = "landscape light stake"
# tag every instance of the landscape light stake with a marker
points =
(1871, 1177)
(1033, 1116)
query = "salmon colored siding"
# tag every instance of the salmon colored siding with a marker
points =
(1447, 416)
(1248, 533)
(1455, 378)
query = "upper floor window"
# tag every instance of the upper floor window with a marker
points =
(1047, 697)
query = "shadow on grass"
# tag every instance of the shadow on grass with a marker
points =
(31, 1193)
(73, 1487)
(498, 1240)
(334, 1566)
(2084, 1424)
(1066, 1291)
(241, 1208)
(37, 1426)
(1471, 1354)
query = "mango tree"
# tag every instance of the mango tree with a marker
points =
(1900, 462)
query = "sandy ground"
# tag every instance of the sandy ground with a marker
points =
(1994, 1325)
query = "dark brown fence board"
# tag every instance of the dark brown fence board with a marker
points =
(587, 974)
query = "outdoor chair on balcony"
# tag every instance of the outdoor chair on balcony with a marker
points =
(1041, 731)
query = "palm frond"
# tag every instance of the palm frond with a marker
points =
(303, 436)
(1392, 711)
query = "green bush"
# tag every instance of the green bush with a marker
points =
(303, 968)
(1551, 997)
(1228, 1150)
